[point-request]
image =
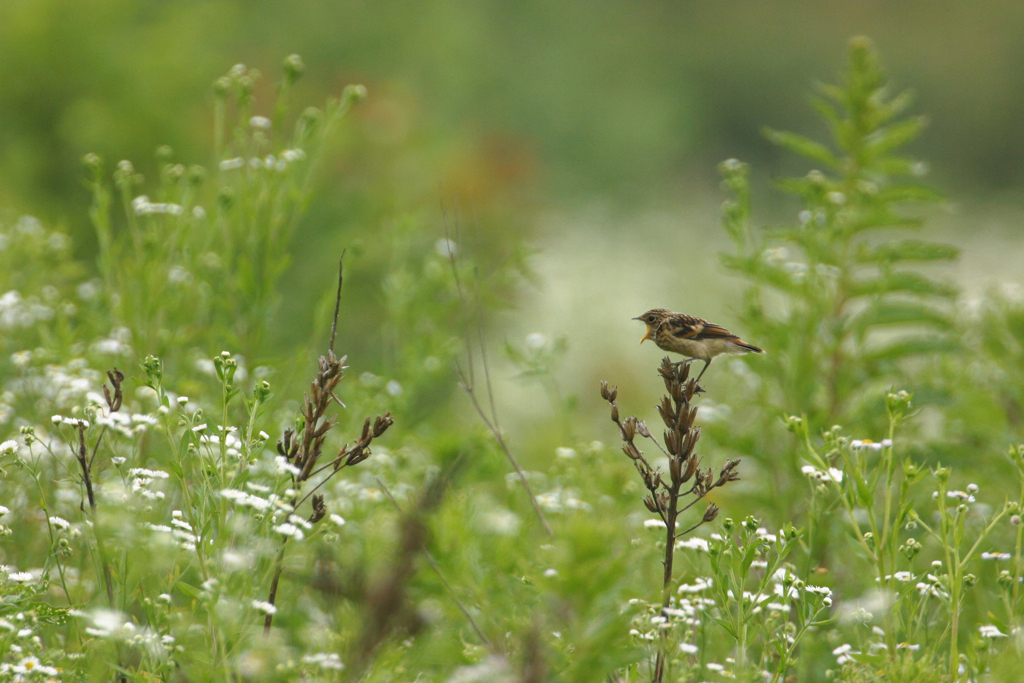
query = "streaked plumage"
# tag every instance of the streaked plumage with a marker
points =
(691, 336)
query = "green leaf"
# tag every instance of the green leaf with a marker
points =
(907, 250)
(801, 145)
(911, 346)
(907, 192)
(896, 135)
(903, 282)
(899, 313)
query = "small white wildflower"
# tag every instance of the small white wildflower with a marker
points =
(290, 530)
(260, 122)
(20, 577)
(536, 341)
(565, 453)
(842, 649)
(550, 572)
(990, 632)
(996, 556)
(688, 648)
(715, 666)
(9, 447)
(693, 543)
(700, 584)
(337, 519)
(654, 524)
(264, 606)
(285, 467)
(60, 522)
(446, 248)
(150, 474)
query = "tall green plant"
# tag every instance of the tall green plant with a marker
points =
(837, 297)
(201, 259)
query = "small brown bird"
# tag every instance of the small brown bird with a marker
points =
(691, 336)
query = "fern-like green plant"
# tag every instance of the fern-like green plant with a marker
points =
(838, 298)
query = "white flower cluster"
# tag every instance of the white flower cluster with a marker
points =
(559, 500)
(142, 478)
(821, 476)
(259, 503)
(16, 312)
(232, 444)
(869, 445)
(270, 162)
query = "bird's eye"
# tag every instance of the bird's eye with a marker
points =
(650, 319)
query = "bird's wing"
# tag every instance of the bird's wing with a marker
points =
(690, 327)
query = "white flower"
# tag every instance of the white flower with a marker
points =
(149, 474)
(446, 248)
(326, 660)
(290, 530)
(20, 577)
(338, 519)
(693, 543)
(700, 584)
(654, 524)
(990, 632)
(260, 122)
(688, 648)
(60, 522)
(536, 340)
(842, 649)
(264, 607)
(8, 447)
(565, 453)
(283, 466)
(996, 556)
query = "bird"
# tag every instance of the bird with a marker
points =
(691, 336)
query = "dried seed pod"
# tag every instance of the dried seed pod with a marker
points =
(711, 513)
(629, 428)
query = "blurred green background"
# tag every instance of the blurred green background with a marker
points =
(579, 139)
(590, 130)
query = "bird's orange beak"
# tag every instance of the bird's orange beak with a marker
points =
(647, 334)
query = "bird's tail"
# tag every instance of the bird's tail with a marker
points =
(747, 347)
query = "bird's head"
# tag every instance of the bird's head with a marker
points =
(653, 319)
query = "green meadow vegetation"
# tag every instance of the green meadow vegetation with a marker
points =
(182, 501)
